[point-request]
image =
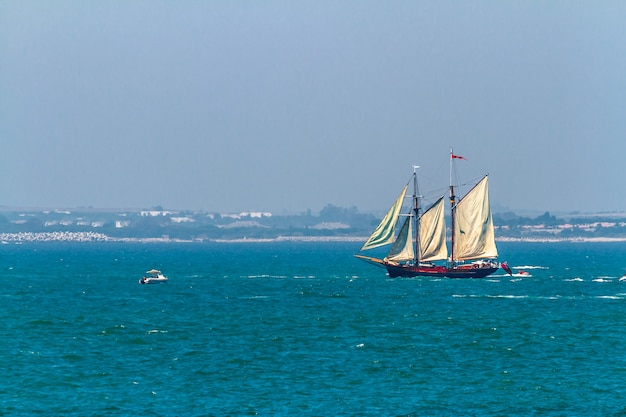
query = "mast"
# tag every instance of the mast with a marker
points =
(416, 215)
(452, 199)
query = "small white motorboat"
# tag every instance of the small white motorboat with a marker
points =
(153, 276)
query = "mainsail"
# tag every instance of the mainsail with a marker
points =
(384, 233)
(432, 233)
(473, 227)
(402, 248)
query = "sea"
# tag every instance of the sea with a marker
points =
(305, 329)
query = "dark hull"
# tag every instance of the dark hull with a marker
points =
(475, 270)
(439, 271)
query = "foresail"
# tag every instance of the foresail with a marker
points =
(473, 226)
(432, 233)
(402, 248)
(384, 233)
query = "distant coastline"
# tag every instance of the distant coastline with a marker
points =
(23, 237)
(332, 224)
(563, 239)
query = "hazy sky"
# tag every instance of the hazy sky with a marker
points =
(285, 106)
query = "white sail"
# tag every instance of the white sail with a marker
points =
(384, 233)
(473, 226)
(432, 233)
(402, 248)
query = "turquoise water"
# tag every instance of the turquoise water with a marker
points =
(306, 329)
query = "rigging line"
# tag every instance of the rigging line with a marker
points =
(470, 186)
(430, 201)
(438, 191)
(468, 182)
(426, 194)
(406, 196)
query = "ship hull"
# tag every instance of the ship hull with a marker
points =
(474, 270)
(409, 271)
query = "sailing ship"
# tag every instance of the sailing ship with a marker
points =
(420, 246)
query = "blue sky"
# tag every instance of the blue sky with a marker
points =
(286, 106)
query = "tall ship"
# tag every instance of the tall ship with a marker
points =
(420, 247)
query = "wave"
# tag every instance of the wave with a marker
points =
(529, 267)
(507, 296)
(279, 276)
(265, 276)
(620, 296)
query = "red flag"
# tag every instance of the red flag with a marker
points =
(457, 157)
